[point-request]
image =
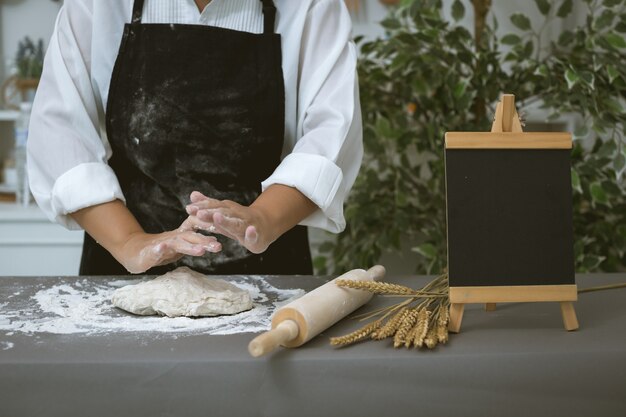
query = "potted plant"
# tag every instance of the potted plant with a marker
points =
(429, 76)
(29, 65)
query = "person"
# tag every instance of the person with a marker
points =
(208, 134)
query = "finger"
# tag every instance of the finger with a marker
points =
(157, 254)
(197, 196)
(191, 209)
(207, 215)
(162, 254)
(251, 235)
(181, 245)
(209, 243)
(229, 234)
(193, 223)
(205, 203)
(232, 225)
(188, 224)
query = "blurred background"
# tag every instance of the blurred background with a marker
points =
(426, 67)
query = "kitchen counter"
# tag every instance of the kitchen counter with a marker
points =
(32, 245)
(515, 361)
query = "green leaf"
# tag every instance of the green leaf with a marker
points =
(571, 77)
(383, 128)
(615, 41)
(581, 132)
(588, 78)
(591, 262)
(619, 165)
(576, 181)
(542, 70)
(459, 89)
(565, 9)
(458, 10)
(566, 38)
(390, 23)
(521, 21)
(543, 6)
(605, 20)
(612, 73)
(319, 263)
(528, 50)
(427, 250)
(579, 246)
(510, 39)
(401, 199)
(611, 3)
(598, 195)
(607, 150)
(614, 105)
(326, 247)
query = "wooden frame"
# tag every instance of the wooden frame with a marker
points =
(506, 133)
(487, 140)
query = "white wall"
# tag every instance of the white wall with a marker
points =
(35, 18)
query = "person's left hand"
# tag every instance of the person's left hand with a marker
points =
(247, 225)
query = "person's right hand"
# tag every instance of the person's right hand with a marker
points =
(142, 251)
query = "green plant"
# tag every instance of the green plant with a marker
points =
(429, 76)
(29, 58)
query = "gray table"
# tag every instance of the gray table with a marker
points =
(516, 361)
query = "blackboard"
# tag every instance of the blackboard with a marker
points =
(509, 217)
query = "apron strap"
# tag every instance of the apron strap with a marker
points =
(137, 11)
(269, 16)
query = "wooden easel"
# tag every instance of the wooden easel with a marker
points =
(509, 135)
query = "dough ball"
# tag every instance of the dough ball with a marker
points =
(182, 292)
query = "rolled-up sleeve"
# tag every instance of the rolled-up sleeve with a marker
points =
(326, 158)
(67, 155)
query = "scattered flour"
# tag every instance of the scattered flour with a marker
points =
(85, 307)
(6, 345)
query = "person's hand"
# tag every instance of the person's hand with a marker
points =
(247, 225)
(143, 251)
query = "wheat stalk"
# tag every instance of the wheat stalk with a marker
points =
(356, 335)
(406, 325)
(376, 287)
(431, 338)
(420, 320)
(422, 327)
(443, 318)
(391, 326)
(442, 333)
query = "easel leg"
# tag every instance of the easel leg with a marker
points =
(569, 316)
(490, 307)
(456, 317)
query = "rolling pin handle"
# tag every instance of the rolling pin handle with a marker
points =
(285, 331)
(377, 272)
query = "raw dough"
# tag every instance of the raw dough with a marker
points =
(182, 292)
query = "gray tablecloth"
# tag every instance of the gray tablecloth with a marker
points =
(516, 361)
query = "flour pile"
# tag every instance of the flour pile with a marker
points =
(69, 306)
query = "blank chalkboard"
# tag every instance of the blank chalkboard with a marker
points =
(509, 217)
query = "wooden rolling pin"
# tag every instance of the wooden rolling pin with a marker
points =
(302, 319)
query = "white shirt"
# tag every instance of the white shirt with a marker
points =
(67, 146)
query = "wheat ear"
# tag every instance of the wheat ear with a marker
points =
(356, 335)
(391, 326)
(406, 325)
(421, 329)
(376, 287)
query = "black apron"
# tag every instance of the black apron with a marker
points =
(201, 108)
